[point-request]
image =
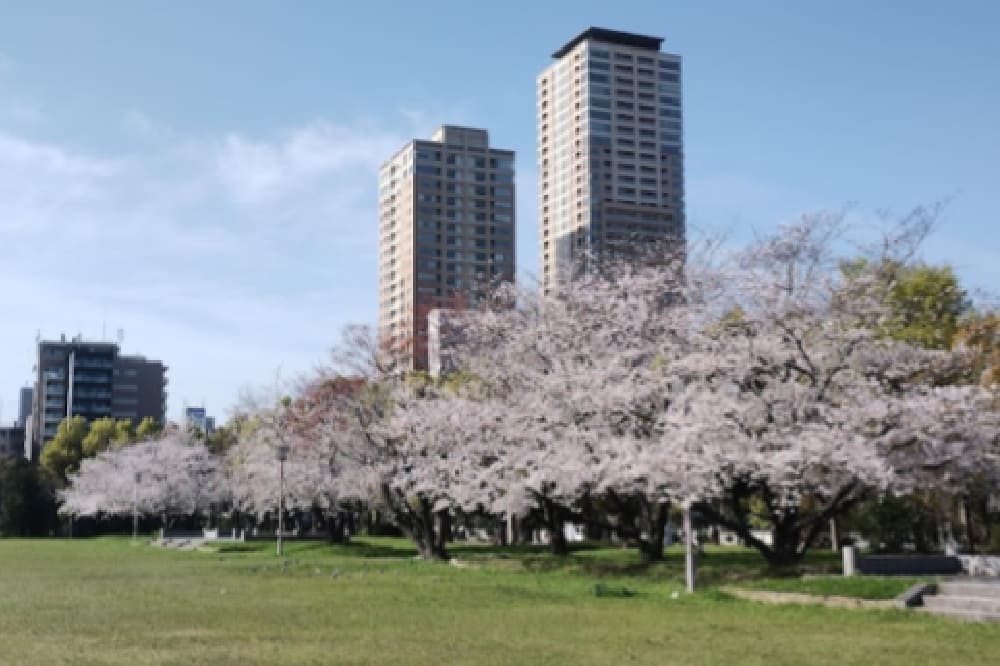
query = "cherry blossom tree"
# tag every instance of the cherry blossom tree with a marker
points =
(810, 389)
(312, 430)
(629, 382)
(166, 476)
(755, 389)
(582, 380)
(422, 461)
(376, 427)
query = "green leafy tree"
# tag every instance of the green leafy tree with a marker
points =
(62, 454)
(222, 438)
(27, 502)
(148, 427)
(927, 305)
(929, 309)
(107, 433)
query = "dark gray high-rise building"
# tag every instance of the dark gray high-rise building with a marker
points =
(11, 441)
(90, 379)
(24, 405)
(138, 389)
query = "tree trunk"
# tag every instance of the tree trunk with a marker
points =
(335, 523)
(443, 527)
(552, 514)
(430, 545)
(786, 537)
(984, 516)
(416, 520)
(969, 530)
(654, 517)
(785, 549)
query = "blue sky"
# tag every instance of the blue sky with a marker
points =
(202, 175)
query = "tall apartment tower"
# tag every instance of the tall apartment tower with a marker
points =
(446, 232)
(91, 379)
(610, 150)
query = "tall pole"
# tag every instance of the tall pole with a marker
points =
(688, 549)
(135, 506)
(281, 506)
(282, 454)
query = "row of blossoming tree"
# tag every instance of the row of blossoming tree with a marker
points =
(752, 387)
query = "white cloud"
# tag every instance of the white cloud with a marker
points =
(258, 171)
(226, 257)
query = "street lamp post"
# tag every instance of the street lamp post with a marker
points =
(135, 505)
(282, 454)
(689, 572)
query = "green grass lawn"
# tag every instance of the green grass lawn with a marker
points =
(105, 601)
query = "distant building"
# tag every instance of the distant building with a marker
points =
(139, 389)
(24, 405)
(11, 441)
(90, 379)
(197, 417)
(446, 231)
(610, 151)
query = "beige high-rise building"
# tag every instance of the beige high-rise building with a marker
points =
(610, 150)
(446, 233)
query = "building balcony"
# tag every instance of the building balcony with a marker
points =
(93, 395)
(93, 363)
(90, 408)
(84, 378)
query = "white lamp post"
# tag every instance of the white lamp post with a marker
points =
(688, 548)
(282, 454)
(135, 505)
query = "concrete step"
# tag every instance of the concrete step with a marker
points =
(964, 615)
(953, 602)
(970, 588)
